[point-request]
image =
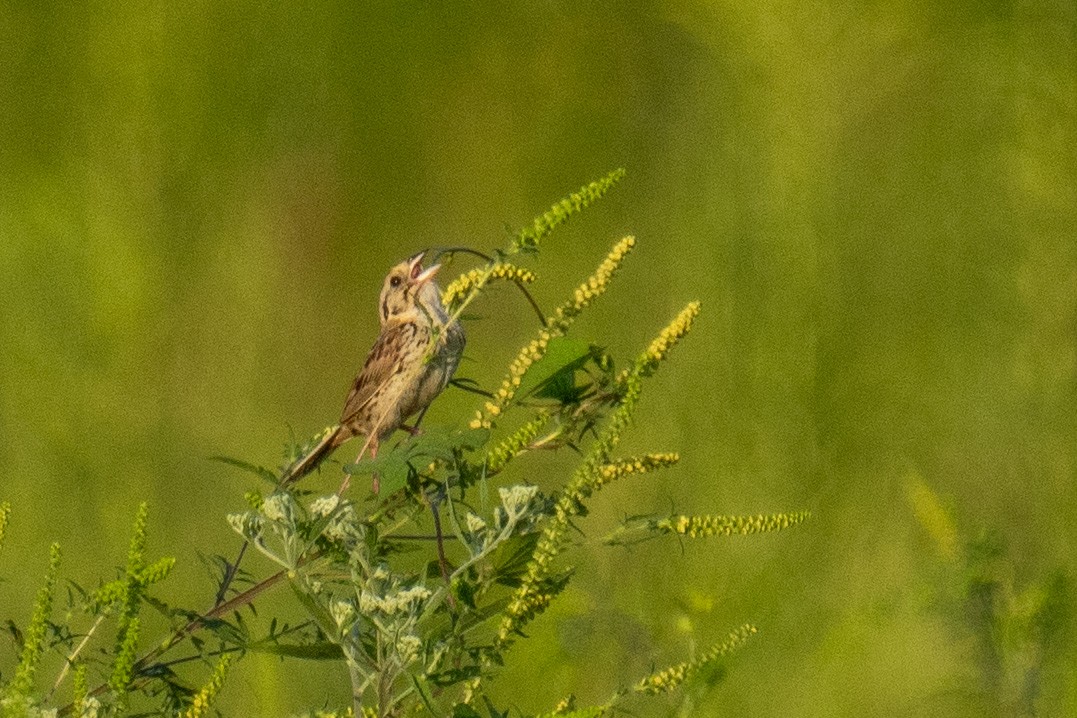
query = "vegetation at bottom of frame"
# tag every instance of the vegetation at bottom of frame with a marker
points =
(419, 592)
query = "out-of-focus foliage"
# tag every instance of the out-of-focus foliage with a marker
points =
(875, 201)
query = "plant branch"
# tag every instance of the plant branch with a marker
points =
(196, 624)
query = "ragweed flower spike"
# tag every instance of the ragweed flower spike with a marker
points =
(529, 237)
(666, 680)
(556, 326)
(638, 465)
(463, 285)
(705, 526)
(202, 701)
(666, 340)
(37, 630)
(594, 286)
(531, 596)
(514, 444)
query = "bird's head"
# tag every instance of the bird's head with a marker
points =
(407, 284)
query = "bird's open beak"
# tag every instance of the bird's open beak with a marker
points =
(426, 275)
(417, 274)
(415, 264)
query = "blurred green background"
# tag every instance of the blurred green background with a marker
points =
(875, 202)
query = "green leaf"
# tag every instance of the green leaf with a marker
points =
(395, 466)
(259, 471)
(556, 368)
(314, 609)
(320, 651)
(494, 712)
(510, 559)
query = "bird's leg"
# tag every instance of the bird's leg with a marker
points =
(375, 484)
(414, 429)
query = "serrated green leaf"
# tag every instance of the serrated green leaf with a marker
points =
(259, 471)
(556, 368)
(510, 559)
(320, 651)
(396, 465)
(314, 609)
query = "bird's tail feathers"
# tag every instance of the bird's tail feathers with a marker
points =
(315, 456)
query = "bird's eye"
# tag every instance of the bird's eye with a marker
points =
(394, 282)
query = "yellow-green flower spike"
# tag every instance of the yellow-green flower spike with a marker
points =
(933, 516)
(463, 285)
(138, 542)
(130, 600)
(667, 339)
(557, 325)
(530, 598)
(37, 630)
(81, 690)
(200, 705)
(670, 678)
(156, 571)
(704, 526)
(529, 237)
(595, 285)
(636, 465)
(123, 667)
(5, 512)
(512, 445)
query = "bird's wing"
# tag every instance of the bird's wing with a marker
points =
(383, 361)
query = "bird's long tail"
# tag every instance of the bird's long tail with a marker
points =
(315, 456)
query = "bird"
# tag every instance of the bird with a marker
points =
(412, 360)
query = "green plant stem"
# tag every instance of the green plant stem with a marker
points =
(74, 654)
(197, 624)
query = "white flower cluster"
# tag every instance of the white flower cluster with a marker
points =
(280, 508)
(90, 707)
(403, 601)
(516, 499)
(20, 706)
(475, 524)
(342, 612)
(344, 524)
(322, 507)
(247, 524)
(408, 647)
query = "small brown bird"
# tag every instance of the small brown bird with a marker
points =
(412, 360)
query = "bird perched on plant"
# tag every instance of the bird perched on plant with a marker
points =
(412, 360)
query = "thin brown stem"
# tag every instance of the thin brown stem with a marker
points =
(443, 563)
(238, 601)
(230, 574)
